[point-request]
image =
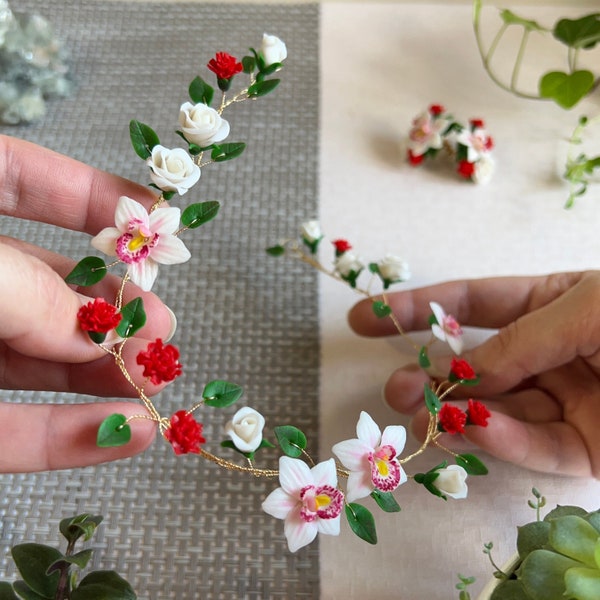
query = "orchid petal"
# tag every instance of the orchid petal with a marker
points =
(278, 504)
(438, 312)
(165, 220)
(106, 241)
(329, 526)
(367, 430)
(294, 474)
(455, 343)
(353, 454)
(325, 473)
(170, 250)
(299, 533)
(143, 274)
(128, 209)
(359, 485)
(395, 436)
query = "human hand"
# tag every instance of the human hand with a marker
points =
(41, 344)
(539, 374)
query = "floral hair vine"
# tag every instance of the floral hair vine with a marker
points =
(470, 146)
(310, 498)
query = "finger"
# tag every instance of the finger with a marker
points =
(41, 185)
(50, 436)
(490, 303)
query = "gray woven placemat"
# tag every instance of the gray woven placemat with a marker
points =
(179, 527)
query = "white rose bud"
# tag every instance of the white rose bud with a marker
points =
(273, 50)
(347, 263)
(245, 429)
(172, 170)
(393, 268)
(451, 481)
(311, 231)
(202, 124)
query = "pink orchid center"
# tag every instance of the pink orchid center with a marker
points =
(451, 326)
(320, 502)
(422, 130)
(134, 245)
(385, 469)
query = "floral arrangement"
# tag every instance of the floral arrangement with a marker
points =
(435, 129)
(309, 498)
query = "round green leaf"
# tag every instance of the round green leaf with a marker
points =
(291, 440)
(33, 561)
(579, 33)
(276, 250)
(381, 309)
(200, 92)
(113, 431)
(103, 585)
(133, 318)
(87, 271)
(361, 522)
(566, 89)
(219, 393)
(143, 139)
(198, 214)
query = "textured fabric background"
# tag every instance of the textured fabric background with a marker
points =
(179, 527)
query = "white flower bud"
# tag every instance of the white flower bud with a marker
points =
(273, 50)
(245, 429)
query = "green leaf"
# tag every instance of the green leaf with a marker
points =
(6, 591)
(80, 559)
(574, 537)
(291, 440)
(219, 393)
(361, 522)
(143, 139)
(579, 33)
(225, 152)
(113, 431)
(261, 88)
(566, 89)
(33, 561)
(198, 214)
(510, 18)
(133, 318)
(510, 589)
(432, 402)
(562, 511)
(582, 583)
(88, 271)
(25, 592)
(424, 361)
(276, 250)
(200, 92)
(385, 501)
(73, 528)
(248, 64)
(543, 572)
(532, 536)
(103, 585)
(471, 464)
(381, 309)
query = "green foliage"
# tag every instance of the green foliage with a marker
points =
(276, 250)
(361, 522)
(143, 139)
(291, 440)
(220, 394)
(33, 561)
(385, 501)
(228, 151)
(113, 431)
(510, 18)
(84, 525)
(471, 464)
(249, 455)
(133, 318)
(103, 585)
(88, 271)
(579, 33)
(200, 92)
(462, 585)
(424, 361)
(432, 402)
(381, 309)
(566, 89)
(261, 88)
(197, 214)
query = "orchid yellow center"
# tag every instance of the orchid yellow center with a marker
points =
(322, 501)
(383, 466)
(139, 240)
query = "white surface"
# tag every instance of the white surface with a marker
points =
(381, 65)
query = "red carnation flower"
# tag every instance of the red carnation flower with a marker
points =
(477, 413)
(477, 124)
(98, 317)
(341, 246)
(224, 66)
(436, 109)
(415, 159)
(466, 169)
(161, 363)
(461, 369)
(184, 433)
(451, 419)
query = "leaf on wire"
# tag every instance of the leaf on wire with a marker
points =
(361, 522)
(87, 271)
(291, 440)
(471, 464)
(113, 431)
(261, 88)
(224, 152)
(201, 92)
(198, 214)
(385, 501)
(220, 394)
(432, 402)
(143, 138)
(133, 318)
(381, 309)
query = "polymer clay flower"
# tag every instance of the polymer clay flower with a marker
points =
(475, 140)
(451, 481)
(477, 413)
(224, 66)
(172, 170)
(184, 433)
(349, 266)
(426, 133)
(451, 419)
(392, 269)
(272, 50)
(143, 240)
(371, 458)
(484, 169)
(245, 429)
(98, 317)
(202, 124)
(446, 328)
(308, 500)
(311, 231)
(161, 362)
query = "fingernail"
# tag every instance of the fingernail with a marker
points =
(173, 328)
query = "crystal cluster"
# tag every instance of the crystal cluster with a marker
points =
(33, 66)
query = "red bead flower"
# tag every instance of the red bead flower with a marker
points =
(98, 317)
(466, 169)
(161, 363)
(477, 413)
(185, 433)
(477, 124)
(341, 246)
(436, 109)
(415, 159)
(461, 369)
(224, 66)
(451, 419)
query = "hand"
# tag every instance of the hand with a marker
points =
(540, 373)
(41, 344)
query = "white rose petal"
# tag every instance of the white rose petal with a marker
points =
(172, 170)
(348, 263)
(202, 124)
(245, 429)
(393, 268)
(311, 231)
(273, 50)
(451, 481)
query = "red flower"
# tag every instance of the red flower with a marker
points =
(415, 159)
(98, 316)
(477, 413)
(161, 363)
(466, 169)
(341, 246)
(451, 419)
(461, 369)
(224, 66)
(436, 109)
(185, 433)
(489, 143)
(477, 124)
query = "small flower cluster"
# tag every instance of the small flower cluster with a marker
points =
(471, 146)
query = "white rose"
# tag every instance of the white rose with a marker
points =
(202, 124)
(172, 170)
(451, 481)
(348, 263)
(393, 268)
(273, 50)
(245, 429)
(484, 169)
(311, 231)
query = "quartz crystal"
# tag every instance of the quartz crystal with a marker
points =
(33, 66)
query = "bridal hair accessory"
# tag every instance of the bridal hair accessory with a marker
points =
(310, 498)
(469, 146)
